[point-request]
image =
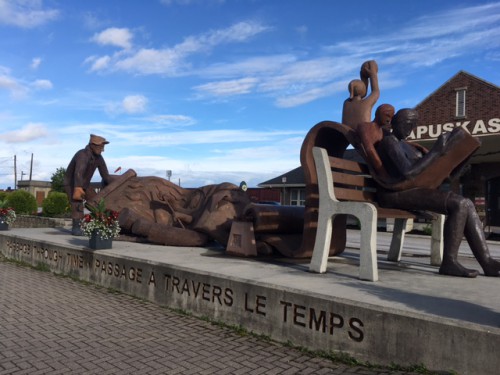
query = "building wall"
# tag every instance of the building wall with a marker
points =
(438, 111)
(39, 189)
(437, 114)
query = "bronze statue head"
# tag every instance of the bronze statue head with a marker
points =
(403, 122)
(384, 114)
(97, 143)
(357, 88)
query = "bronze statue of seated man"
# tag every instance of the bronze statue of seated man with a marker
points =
(403, 161)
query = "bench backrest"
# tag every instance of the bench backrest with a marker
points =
(352, 181)
(347, 180)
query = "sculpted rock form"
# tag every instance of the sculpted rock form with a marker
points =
(155, 210)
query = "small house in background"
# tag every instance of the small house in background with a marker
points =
(291, 186)
(39, 189)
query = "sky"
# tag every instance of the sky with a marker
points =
(215, 90)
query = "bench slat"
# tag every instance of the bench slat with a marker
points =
(385, 213)
(348, 165)
(343, 194)
(357, 180)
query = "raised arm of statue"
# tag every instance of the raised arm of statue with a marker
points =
(369, 74)
(358, 107)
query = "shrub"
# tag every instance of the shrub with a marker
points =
(427, 230)
(22, 202)
(56, 204)
(3, 195)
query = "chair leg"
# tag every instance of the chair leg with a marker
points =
(368, 268)
(437, 240)
(398, 237)
(319, 259)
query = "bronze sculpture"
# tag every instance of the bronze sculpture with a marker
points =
(78, 175)
(155, 210)
(357, 108)
(399, 161)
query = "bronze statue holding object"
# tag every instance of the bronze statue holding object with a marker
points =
(78, 175)
(402, 161)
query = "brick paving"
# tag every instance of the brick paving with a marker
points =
(54, 325)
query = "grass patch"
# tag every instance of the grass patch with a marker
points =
(42, 267)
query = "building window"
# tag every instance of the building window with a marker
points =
(297, 197)
(460, 112)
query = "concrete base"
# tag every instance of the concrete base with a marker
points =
(411, 316)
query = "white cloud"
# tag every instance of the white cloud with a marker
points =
(172, 120)
(180, 2)
(255, 65)
(29, 132)
(306, 96)
(134, 104)
(25, 13)
(17, 90)
(98, 63)
(228, 88)
(294, 79)
(151, 61)
(197, 137)
(131, 104)
(118, 37)
(42, 84)
(172, 61)
(302, 30)
(427, 41)
(35, 63)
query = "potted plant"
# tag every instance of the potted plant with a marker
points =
(101, 226)
(7, 215)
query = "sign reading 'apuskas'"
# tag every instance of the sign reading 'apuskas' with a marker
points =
(478, 127)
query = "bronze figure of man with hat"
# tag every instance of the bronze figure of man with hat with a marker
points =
(79, 174)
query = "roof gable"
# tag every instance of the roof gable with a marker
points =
(461, 75)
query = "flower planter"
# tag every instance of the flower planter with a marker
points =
(98, 243)
(4, 226)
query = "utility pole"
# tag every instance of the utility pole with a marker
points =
(15, 173)
(31, 167)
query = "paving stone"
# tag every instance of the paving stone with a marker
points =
(51, 324)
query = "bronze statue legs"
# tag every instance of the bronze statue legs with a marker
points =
(462, 220)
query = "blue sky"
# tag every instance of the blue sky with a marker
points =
(215, 90)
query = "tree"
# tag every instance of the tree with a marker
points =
(57, 180)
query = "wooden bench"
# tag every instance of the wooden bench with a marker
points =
(347, 188)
